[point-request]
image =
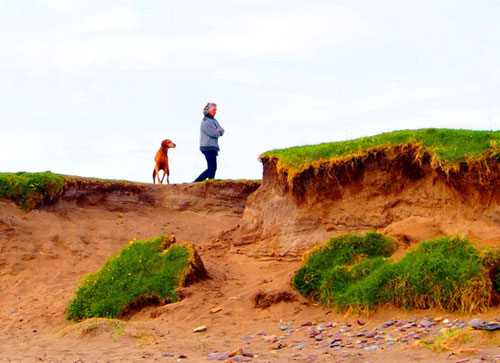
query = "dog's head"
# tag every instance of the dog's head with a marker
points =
(167, 144)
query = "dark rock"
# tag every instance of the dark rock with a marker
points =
(388, 323)
(170, 355)
(371, 335)
(360, 322)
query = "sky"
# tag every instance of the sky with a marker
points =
(92, 87)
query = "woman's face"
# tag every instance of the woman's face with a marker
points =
(213, 110)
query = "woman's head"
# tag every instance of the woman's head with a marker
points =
(210, 109)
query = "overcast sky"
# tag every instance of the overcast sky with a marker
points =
(92, 87)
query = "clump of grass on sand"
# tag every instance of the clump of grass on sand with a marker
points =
(447, 272)
(146, 271)
(31, 190)
(447, 147)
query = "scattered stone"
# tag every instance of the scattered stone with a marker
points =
(371, 349)
(270, 338)
(246, 337)
(445, 321)
(236, 352)
(438, 319)
(311, 358)
(283, 327)
(488, 326)
(262, 333)
(200, 329)
(390, 343)
(416, 336)
(215, 310)
(169, 355)
(300, 346)
(462, 360)
(312, 332)
(475, 322)
(403, 340)
(425, 323)
(307, 323)
(408, 325)
(217, 356)
(182, 356)
(389, 323)
(330, 324)
(319, 337)
(360, 322)
(371, 335)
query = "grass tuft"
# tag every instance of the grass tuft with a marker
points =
(31, 190)
(447, 273)
(145, 272)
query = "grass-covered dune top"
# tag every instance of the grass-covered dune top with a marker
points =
(30, 190)
(354, 273)
(146, 271)
(447, 147)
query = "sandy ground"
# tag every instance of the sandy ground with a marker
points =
(44, 254)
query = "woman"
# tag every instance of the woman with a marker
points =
(210, 132)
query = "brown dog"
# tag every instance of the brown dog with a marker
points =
(161, 161)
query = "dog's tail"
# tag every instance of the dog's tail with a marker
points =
(154, 176)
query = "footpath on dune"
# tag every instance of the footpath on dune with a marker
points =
(250, 236)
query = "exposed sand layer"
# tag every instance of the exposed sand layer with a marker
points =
(398, 194)
(45, 253)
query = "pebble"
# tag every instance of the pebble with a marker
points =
(300, 346)
(403, 340)
(389, 323)
(262, 333)
(283, 327)
(445, 321)
(311, 331)
(390, 343)
(425, 323)
(270, 338)
(370, 349)
(169, 355)
(215, 310)
(475, 322)
(462, 361)
(360, 322)
(217, 356)
(319, 337)
(238, 358)
(307, 323)
(371, 335)
(200, 329)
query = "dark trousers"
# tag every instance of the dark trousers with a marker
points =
(211, 157)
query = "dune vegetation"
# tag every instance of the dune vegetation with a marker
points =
(447, 148)
(144, 272)
(354, 273)
(30, 190)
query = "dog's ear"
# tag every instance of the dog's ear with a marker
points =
(164, 144)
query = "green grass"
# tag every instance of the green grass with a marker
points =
(31, 190)
(447, 272)
(142, 272)
(446, 146)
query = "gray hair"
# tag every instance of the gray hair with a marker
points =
(207, 108)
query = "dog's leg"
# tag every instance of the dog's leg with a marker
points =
(154, 176)
(168, 174)
(163, 177)
(158, 175)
